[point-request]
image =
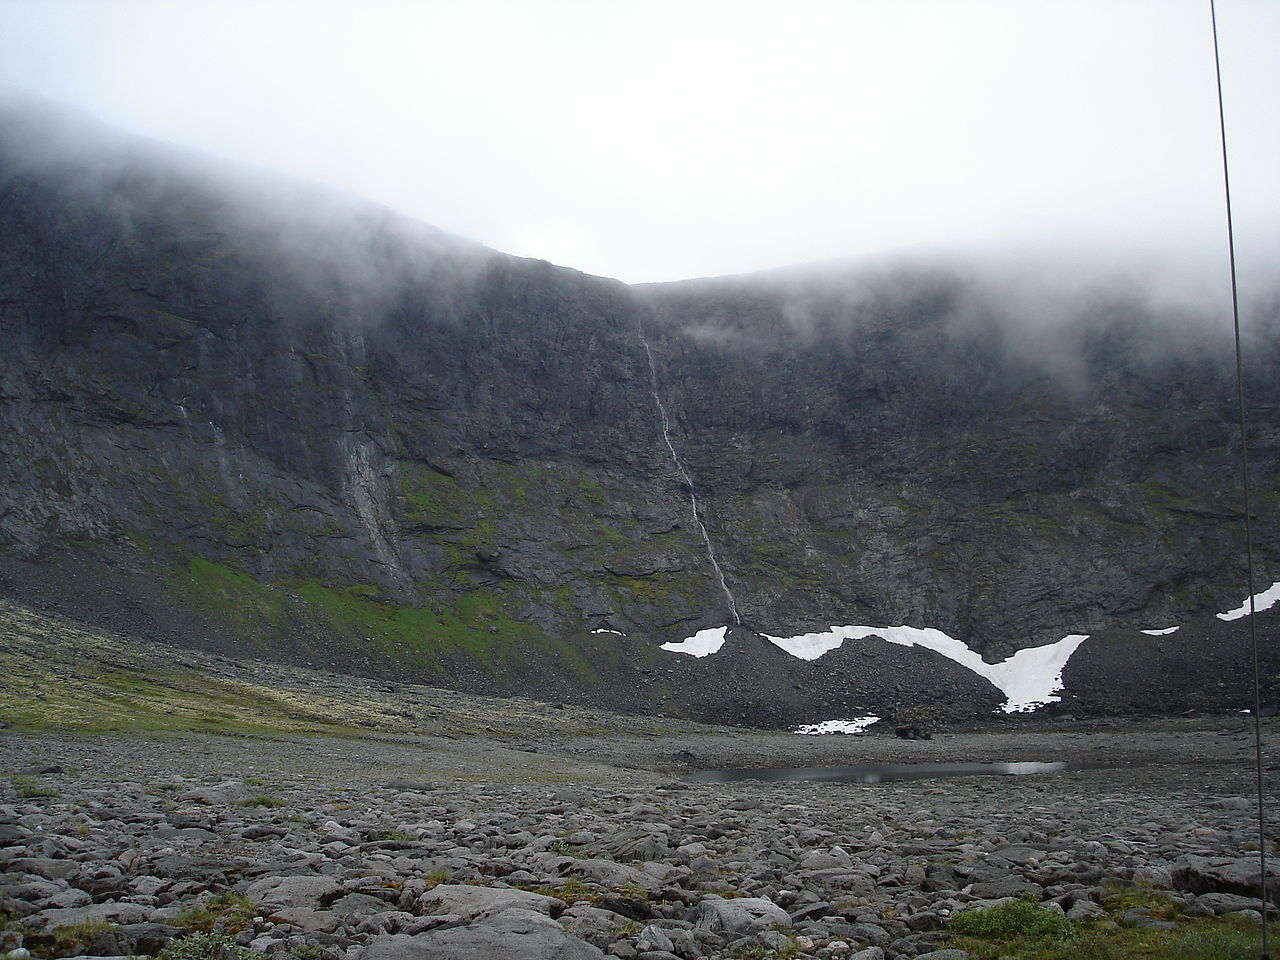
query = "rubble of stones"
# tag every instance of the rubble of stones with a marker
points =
(535, 872)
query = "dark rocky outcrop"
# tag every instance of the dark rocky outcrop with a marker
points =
(244, 414)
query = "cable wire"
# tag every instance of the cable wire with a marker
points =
(1244, 483)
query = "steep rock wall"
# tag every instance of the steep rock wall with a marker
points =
(245, 414)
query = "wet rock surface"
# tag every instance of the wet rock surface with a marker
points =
(350, 849)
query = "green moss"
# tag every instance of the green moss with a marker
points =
(476, 626)
(256, 608)
(590, 492)
(611, 535)
(662, 588)
(1163, 497)
(140, 541)
(429, 498)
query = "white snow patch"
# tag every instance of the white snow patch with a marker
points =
(615, 633)
(1261, 601)
(810, 646)
(1160, 633)
(701, 644)
(1032, 677)
(857, 725)
(1028, 679)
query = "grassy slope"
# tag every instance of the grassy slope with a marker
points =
(58, 676)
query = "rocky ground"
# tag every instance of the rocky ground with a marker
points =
(467, 846)
(157, 800)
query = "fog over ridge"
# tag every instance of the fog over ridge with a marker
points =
(661, 141)
(1041, 305)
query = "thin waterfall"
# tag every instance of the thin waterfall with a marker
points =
(684, 475)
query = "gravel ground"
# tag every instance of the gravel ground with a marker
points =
(388, 848)
(369, 820)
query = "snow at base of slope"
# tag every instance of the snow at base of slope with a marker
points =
(1028, 679)
(837, 726)
(1261, 601)
(1032, 677)
(701, 644)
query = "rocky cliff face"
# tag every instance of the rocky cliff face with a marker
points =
(244, 414)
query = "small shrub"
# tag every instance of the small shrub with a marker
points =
(395, 834)
(1015, 920)
(634, 891)
(435, 878)
(1123, 897)
(203, 946)
(627, 928)
(78, 937)
(307, 951)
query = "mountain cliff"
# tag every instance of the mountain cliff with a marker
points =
(249, 415)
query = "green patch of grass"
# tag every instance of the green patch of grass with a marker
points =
(1122, 897)
(1021, 930)
(394, 834)
(760, 952)
(254, 608)
(1017, 920)
(167, 703)
(66, 941)
(475, 626)
(78, 936)
(571, 890)
(435, 878)
(228, 912)
(30, 788)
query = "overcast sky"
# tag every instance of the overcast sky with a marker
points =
(661, 140)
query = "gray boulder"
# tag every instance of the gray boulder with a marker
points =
(93, 913)
(1241, 876)
(609, 874)
(472, 903)
(514, 934)
(1010, 886)
(313, 893)
(738, 917)
(228, 791)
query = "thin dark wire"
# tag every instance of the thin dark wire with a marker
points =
(1244, 481)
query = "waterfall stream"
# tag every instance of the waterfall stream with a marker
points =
(684, 475)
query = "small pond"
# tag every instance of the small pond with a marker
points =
(882, 772)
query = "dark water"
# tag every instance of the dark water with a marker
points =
(879, 773)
